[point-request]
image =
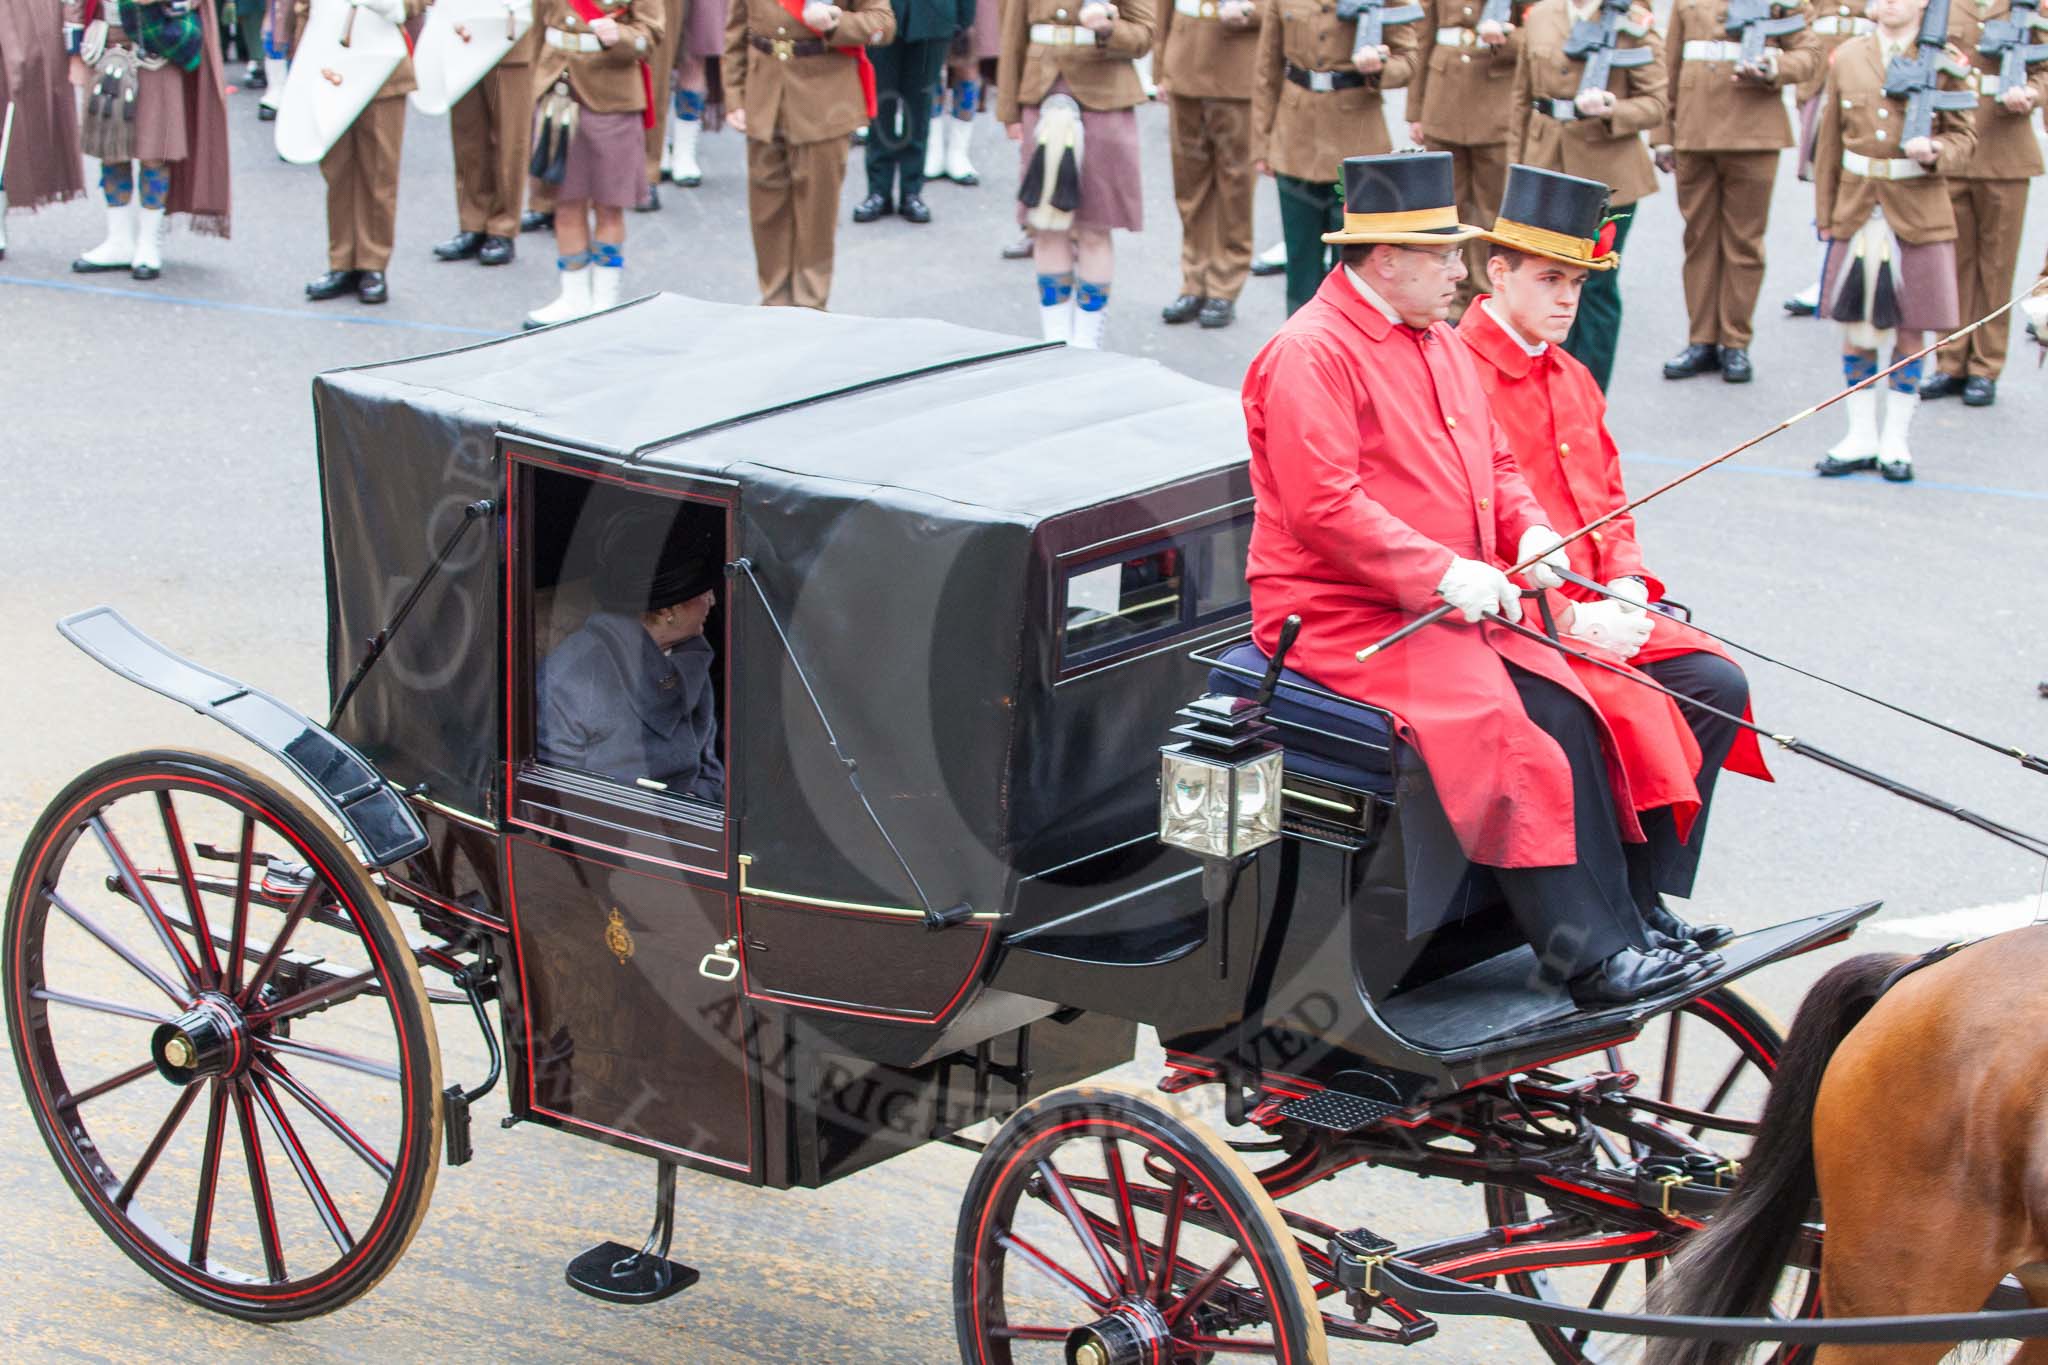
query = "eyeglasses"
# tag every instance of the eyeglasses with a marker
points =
(1442, 258)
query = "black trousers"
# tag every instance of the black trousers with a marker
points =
(906, 73)
(1575, 916)
(1667, 864)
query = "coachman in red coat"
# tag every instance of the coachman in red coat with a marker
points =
(1546, 241)
(1383, 488)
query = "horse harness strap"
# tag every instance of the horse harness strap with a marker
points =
(1927, 959)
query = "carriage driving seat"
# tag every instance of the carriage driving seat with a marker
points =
(1327, 737)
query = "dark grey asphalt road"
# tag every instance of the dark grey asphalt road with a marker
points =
(155, 444)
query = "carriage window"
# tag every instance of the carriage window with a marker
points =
(1168, 587)
(627, 592)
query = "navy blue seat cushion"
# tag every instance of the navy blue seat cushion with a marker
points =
(1326, 737)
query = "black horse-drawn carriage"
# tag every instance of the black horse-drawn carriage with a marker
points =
(970, 587)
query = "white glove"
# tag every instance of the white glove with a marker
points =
(1613, 626)
(1537, 540)
(1634, 590)
(1477, 589)
(391, 10)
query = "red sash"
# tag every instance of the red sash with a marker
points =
(590, 12)
(860, 56)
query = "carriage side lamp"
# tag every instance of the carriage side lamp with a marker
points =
(1219, 788)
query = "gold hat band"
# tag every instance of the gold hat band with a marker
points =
(1510, 233)
(1405, 220)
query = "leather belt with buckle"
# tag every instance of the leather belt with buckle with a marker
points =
(1881, 168)
(1196, 9)
(1456, 36)
(564, 41)
(1062, 35)
(1712, 50)
(782, 49)
(1322, 82)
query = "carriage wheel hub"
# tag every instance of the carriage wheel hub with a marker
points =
(1132, 1334)
(210, 1039)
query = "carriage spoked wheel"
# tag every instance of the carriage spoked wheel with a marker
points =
(222, 1035)
(1708, 1063)
(1100, 1229)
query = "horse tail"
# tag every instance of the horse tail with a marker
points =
(1732, 1267)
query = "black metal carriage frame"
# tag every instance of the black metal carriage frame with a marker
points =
(864, 1014)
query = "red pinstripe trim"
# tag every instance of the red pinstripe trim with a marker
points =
(894, 1016)
(417, 893)
(1585, 1244)
(86, 1179)
(1770, 1062)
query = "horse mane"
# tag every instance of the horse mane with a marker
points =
(1732, 1267)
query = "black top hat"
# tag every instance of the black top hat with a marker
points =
(1561, 217)
(648, 560)
(1403, 198)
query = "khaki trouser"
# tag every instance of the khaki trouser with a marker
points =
(1988, 218)
(1212, 184)
(362, 188)
(793, 200)
(1479, 175)
(663, 64)
(492, 129)
(1725, 198)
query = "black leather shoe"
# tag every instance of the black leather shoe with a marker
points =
(371, 288)
(1828, 467)
(1697, 358)
(496, 251)
(1688, 954)
(1019, 250)
(460, 247)
(1659, 917)
(1735, 366)
(1800, 308)
(1940, 385)
(333, 285)
(1979, 392)
(1217, 313)
(871, 208)
(265, 114)
(533, 220)
(1627, 977)
(1262, 268)
(254, 79)
(650, 202)
(1182, 309)
(1896, 471)
(915, 209)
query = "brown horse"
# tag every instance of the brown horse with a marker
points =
(1918, 1115)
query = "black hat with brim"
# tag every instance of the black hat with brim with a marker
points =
(648, 560)
(1400, 199)
(1558, 217)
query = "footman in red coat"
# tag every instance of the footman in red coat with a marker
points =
(1546, 242)
(1384, 489)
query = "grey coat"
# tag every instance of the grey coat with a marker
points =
(614, 705)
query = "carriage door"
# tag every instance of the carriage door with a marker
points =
(618, 708)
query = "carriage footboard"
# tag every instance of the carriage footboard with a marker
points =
(383, 828)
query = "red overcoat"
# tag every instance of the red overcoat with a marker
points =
(1374, 461)
(1555, 418)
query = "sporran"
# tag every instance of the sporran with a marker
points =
(555, 130)
(107, 131)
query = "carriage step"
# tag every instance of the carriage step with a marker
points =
(619, 1274)
(1339, 1111)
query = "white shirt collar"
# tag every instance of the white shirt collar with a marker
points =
(1532, 347)
(1365, 291)
(1582, 10)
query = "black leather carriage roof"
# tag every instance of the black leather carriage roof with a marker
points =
(903, 406)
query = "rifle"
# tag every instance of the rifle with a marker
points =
(1592, 42)
(1373, 16)
(2006, 39)
(1751, 20)
(1915, 79)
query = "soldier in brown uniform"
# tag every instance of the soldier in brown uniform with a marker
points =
(597, 53)
(1315, 102)
(798, 88)
(1205, 75)
(361, 171)
(1726, 127)
(1834, 22)
(1883, 207)
(492, 129)
(661, 66)
(1594, 134)
(1458, 103)
(1990, 199)
(1087, 53)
